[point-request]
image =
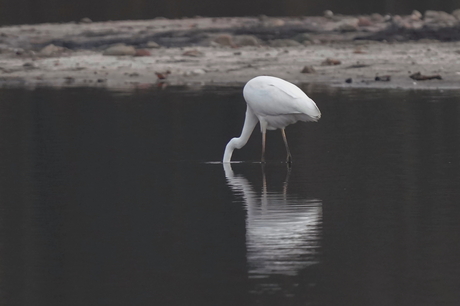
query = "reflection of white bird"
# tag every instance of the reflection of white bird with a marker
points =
(275, 103)
(283, 231)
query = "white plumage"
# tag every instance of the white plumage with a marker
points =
(275, 103)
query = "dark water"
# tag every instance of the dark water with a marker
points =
(107, 199)
(39, 11)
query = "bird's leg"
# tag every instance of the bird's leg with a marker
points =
(263, 147)
(263, 130)
(286, 182)
(289, 157)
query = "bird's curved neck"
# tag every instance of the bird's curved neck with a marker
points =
(250, 122)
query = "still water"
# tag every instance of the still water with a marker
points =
(109, 198)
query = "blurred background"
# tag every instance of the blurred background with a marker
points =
(41, 11)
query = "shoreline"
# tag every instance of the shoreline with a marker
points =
(343, 51)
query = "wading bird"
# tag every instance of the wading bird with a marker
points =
(275, 103)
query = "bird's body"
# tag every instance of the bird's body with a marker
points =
(275, 103)
(279, 102)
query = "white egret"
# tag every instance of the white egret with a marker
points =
(275, 103)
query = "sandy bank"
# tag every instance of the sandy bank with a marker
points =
(229, 51)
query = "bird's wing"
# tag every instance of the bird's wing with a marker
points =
(269, 96)
(294, 99)
(292, 92)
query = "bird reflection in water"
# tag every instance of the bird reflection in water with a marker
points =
(283, 231)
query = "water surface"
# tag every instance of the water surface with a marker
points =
(108, 198)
